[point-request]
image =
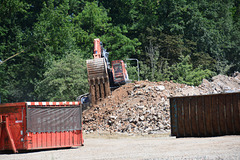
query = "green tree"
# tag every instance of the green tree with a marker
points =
(184, 72)
(132, 72)
(207, 32)
(64, 80)
(13, 16)
(94, 22)
(53, 32)
(210, 24)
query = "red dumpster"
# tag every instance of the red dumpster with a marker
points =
(40, 125)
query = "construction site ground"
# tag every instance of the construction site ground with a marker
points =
(150, 147)
(134, 123)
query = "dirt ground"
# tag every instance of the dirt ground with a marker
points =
(98, 147)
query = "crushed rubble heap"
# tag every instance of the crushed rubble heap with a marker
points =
(143, 107)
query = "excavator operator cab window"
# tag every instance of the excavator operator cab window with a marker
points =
(117, 68)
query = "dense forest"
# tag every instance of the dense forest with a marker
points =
(44, 44)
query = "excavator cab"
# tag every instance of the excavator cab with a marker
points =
(119, 72)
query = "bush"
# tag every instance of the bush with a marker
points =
(184, 72)
(65, 80)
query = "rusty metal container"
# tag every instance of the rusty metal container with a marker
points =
(40, 125)
(205, 115)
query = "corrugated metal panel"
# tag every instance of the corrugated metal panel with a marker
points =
(206, 115)
(54, 139)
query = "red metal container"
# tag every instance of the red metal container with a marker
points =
(40, 125)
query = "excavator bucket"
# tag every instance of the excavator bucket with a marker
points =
(98, 79)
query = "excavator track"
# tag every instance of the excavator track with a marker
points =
(98, 79)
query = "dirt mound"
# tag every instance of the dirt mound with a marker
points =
(143, 107)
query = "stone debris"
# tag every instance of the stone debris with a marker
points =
(143, 107)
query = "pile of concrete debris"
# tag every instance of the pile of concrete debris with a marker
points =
(143, 107)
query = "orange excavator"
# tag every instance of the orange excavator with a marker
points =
(101, 77)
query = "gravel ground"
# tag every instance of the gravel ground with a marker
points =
(147, 148)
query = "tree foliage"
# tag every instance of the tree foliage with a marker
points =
(184, 72)
(64, 79)
(180, 40)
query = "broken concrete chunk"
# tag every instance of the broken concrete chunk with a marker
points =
(160, 88)
(141, 118)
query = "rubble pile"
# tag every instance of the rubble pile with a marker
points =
(143, 107)
(221, 83)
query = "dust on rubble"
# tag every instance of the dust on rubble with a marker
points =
(143, 108)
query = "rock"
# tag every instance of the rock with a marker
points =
(136, 86)
(160, 88)
(140, 107)
(113, 117)
(147, 130)
(141, 118)
(139, 93)
(155, 118)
